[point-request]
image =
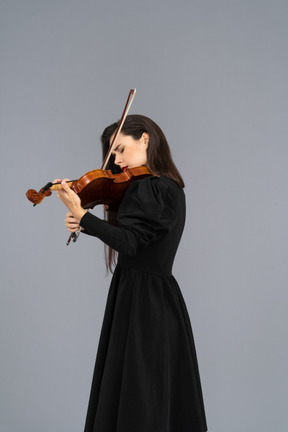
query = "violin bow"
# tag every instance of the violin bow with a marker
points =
(74, 236)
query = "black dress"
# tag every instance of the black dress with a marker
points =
(146, 376)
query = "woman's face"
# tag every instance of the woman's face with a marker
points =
(130, 153)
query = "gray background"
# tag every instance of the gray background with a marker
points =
(213, 74)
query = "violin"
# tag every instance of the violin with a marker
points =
(95, 187)
(99, 186)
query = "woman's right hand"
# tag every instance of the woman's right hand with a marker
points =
(71, 223)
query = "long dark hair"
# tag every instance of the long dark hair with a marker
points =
(159, 160)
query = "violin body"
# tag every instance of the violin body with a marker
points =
(95, 187)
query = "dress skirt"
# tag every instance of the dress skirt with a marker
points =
(146, 376)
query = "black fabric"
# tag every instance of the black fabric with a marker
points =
(146, 376)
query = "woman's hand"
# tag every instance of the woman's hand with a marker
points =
(71, 223)
(70, 199)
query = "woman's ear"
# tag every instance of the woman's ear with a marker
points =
(145, 137)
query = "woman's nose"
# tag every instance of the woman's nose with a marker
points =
(117, 160)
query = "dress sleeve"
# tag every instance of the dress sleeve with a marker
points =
(147, 211)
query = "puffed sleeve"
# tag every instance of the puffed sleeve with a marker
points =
(147, 211)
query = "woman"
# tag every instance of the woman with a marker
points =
(146, 377)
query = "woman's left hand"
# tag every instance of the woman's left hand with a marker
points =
(70, 199)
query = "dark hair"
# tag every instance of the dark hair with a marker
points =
(159, 160)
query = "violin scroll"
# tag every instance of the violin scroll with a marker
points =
(37, 197)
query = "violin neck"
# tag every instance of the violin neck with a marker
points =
(58, 186)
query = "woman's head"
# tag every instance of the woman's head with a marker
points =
(140, 142)
(130, 153)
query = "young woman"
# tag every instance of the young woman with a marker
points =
(146, 376)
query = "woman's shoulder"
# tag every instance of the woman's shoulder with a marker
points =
(160, 184)
(168, 183)
(156, 181)
(155, 191)
(151, 198)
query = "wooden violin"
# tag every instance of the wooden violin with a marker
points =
(95, 187)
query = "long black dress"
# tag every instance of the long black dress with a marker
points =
(146, 376)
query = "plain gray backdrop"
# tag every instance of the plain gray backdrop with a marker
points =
(213, 75)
